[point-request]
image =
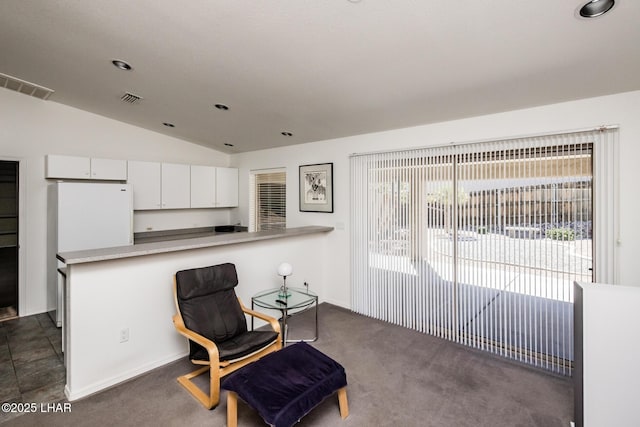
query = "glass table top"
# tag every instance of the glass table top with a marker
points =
(271, 298)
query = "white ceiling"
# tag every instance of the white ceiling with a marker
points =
(320, 69)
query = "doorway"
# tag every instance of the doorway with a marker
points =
(8, 239)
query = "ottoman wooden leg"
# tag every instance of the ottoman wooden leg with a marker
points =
(342, 400)
(232, 409)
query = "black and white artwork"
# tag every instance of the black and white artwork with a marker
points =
(316, 188)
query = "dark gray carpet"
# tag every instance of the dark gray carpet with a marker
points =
(397, 377)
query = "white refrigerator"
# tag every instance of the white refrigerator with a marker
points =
(83, 216)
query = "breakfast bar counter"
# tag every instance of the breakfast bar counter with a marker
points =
(105, 254)
(119, 301)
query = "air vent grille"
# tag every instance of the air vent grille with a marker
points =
(25, 87)
(130, 98)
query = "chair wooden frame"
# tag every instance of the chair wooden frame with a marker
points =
(216, 367)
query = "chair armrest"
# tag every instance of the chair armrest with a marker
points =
(209, 345)
(275, 325)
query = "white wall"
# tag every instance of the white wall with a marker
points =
(31, 128)
(622, 109)
(611, 373)
(137, 294)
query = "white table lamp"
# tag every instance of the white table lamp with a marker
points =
(285, 269)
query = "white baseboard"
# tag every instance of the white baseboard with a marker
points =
(125, 376)
(338, 303)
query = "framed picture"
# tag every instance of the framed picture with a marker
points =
(316, 188)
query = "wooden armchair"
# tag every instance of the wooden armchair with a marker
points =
(212, 318)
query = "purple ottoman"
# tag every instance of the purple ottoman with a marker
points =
(286, 385)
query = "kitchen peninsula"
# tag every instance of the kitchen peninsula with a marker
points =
(119, 301)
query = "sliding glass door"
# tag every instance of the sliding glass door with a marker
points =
(523, 237)
(479, 244)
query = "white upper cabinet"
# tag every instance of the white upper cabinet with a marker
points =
(159, 185)
(213, 187)
(203, 186)
(73, 167)
(145, 177)
(70, 167)
(176, 186)
(226, 187)
(109, 169)
(155, 185)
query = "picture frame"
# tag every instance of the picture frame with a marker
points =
(316, 188)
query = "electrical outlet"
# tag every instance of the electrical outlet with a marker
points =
(124, 335)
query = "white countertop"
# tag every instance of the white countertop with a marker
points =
(96, 255)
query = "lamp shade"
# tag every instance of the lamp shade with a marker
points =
(285, 269)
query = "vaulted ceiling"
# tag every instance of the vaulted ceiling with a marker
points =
(317, 69)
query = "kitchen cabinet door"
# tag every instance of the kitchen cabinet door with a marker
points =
(145, 177)
(109, 169)
(203, 186)
(226, 187)
(71, 167)
(176, 186)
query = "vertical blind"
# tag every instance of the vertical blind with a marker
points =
(268, 205)
(481, 243)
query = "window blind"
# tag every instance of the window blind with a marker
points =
(480, 243)
(268, 195)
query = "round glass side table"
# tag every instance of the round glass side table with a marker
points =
(299, 300)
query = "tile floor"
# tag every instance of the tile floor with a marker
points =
(31, 362)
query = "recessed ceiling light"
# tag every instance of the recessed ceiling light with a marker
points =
(596, 8)
(221, 107)
(121, 65)
(169, 125)
(286, 133)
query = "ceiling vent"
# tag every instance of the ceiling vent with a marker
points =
(130, 98)
(22, 86)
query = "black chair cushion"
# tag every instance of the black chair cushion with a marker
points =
(202, 281)
(208, 304)
(239, 346)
